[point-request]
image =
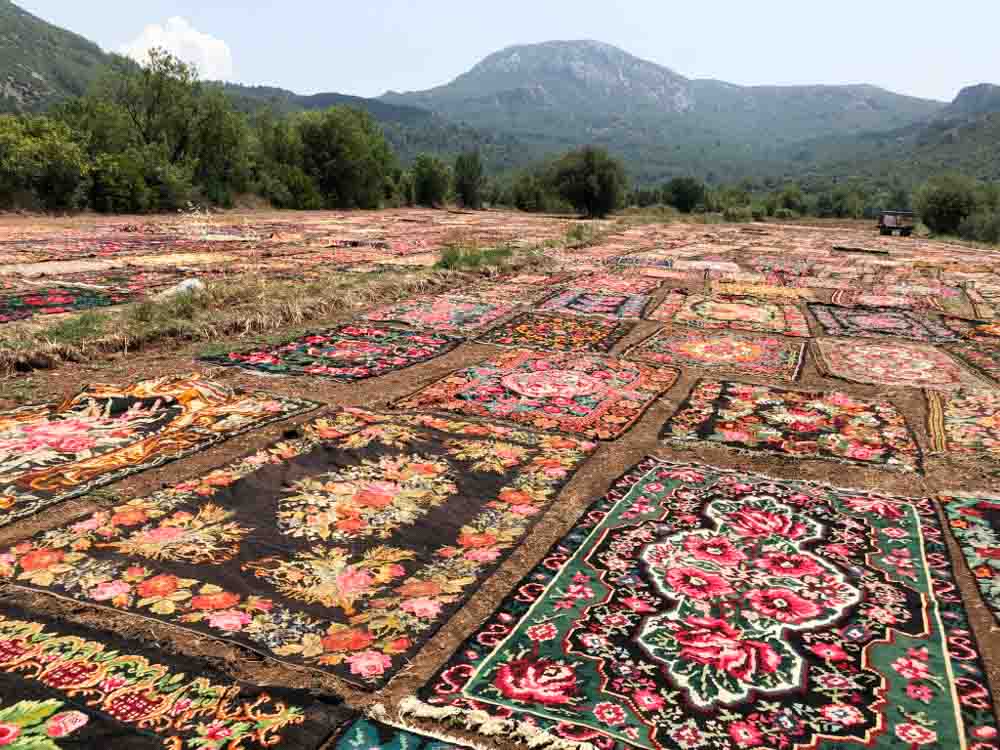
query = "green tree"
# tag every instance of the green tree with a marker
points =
(590, 180)
(469, 179)
(944, 202)
(431, 181)
(684, 193)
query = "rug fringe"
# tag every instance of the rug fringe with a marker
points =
(488, 726)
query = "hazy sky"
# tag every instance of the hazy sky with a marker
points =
(365, 47)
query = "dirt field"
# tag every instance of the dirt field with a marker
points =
(36, 255)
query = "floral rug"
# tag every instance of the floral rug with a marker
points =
(538, 279)
(767, 291)
(616, 283)
(66, 685)
(984, 357)
(557, 333)
(893, 363)
(965, 423)
(797, 424)
(446, 313)
(343, 550)
(757, 356)
(739, 313)
(581, 394)
(579, 302)
(350, 352)
(694, 607)
(53, 300)
(875, 322)
(975, 524)
(52, 452)
(368, 734)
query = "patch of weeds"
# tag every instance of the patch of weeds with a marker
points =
(78, 329)
(21, 389)
(460, 258)
(580, 233)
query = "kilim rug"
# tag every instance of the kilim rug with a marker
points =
(740, 313)
(579, 302)
(797, 424)
(447, 313)
(893, 363)
(343, 550)
(663, 273)
(767, 291)
(66, 685)
(975, 524)
(758, 356)
(368, 734)
(581, 394)
(875, 322)
(694, 608)
(350, 352)
(538, 279)
(984, 357)
(965, 423)
(52, 300)
(615, 283)
(573, 333)
(52, 452)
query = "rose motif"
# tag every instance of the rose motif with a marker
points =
(544, 681)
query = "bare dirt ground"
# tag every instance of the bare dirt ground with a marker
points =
(420, 234)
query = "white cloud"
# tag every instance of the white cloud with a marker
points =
(211, 56)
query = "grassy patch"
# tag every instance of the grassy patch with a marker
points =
(473, 258)
(77, 329)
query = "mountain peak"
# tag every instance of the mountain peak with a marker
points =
(980, 99)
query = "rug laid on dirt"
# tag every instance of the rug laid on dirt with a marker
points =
(53, 300)
(798, 424)
(739, 313)
(343, 550)
(965, 422)
(368, 734)
(767, 291)
(985, 358)
(573, 333)
(694, 607)
(599, 397)
(579, 302)
(52, 452)
(893, 363)
(758, 356)
(538, 279)
(446, 313)
(615, 283)
(350, 352)
(975, 524)
(65, 685)
(875, 322)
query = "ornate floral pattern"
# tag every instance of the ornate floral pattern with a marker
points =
(557, 333)
(93, 690)
(983, 356)
(52, 452)
(799, 424)
(975, 524)
(694, 607)
(576, 393)
(52, 300)
(616, 283)
(595, 303)
(965, 423)
(893, 363)
(446, 313)
(350, 352)
(740, 313)
(366, 734)
(387, 524)
(759, 356)
(875, 322)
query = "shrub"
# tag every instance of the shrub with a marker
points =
(469, 179)
(982, 226)
(431, 180)
(738, 213)
(945, 202)
(590, 180)
(784, 213)
(118, 184)
(684, 193)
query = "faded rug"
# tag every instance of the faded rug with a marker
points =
(64, 685)
(600, 397)
(965, 423)
(579, 302)
(875, 322)
(350, 352)
(616, 283)
(343, 550)
(892, 363)
(739, 313)
(798, 424)
(984, 357)
(694, 607)
(573, 333)
(52, 452)
(446, 313)
(758, 356)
